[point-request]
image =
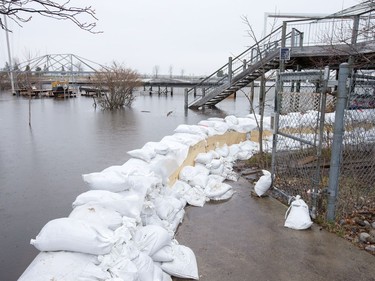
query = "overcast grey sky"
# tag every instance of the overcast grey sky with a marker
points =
(195, 36)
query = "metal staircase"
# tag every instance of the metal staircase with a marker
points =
(243, 79)
(239, 72)
(305, 39)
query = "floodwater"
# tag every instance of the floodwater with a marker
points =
(41, 165)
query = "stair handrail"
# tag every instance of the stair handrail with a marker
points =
(239, 63)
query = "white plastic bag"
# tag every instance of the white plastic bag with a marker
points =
(297, 216)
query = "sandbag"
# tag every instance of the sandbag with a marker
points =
(191, 129)
(126, 205)
(263, 184)
(203, 158)
(158, 147)
(165, 254)
(195, 196)
(68, 234)
(297, 216)
(97, 214)
(146, 153)
(215, 189)
(184, 264)
(145, 267)
(110, 180)
(151, 238)
(64, 266)
(223, 151)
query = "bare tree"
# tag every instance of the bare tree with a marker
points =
(22, 11)
(155, 71)
(115, 86)
(170, 71)
(265, 75)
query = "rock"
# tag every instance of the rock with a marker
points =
(363, 237)
(371, 239)
(367, 225)
(370, 248)
(373, 225)
(359, 222)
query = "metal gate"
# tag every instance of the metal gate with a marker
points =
(299, 143)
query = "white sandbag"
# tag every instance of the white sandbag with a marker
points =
(234, 149)
(195, 196)
(227, 195)
(110, 180)
(188, 173)
(63, 265)
(175, 221)
(165, 254)
(219, 170)
(200, 180)
(67, 234)
(158, 147)
(297, 216)
(125, 205)
(188, 139)
(146, 153)
(164, 166)
(167, 207)
(231, 120)
(145, 267)
(184, 264)
(158, 273)
(166, 277)
(219, 126)
(223, 151)
(134, 165)
(151, 238)
(246, 125)
(149, 216)
(179, 188)
(204, 158)
(190, 129)
(97, 214)
(249, 146)
(142, 184)
(263, 184)
(244, 155)
(214, 164)
(215, 189)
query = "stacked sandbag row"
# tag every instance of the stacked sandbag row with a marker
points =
(123, 228)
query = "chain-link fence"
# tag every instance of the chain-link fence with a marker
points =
(357, 175)
(301, 102)
(309, 144)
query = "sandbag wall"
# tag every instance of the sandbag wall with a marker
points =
(123, 227)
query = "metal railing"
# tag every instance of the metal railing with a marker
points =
(294, 34)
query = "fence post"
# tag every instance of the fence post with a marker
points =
(186, 98)
(336, 153)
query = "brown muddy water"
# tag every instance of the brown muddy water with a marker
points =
(41, 165)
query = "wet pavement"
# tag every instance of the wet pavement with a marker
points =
(244, 239)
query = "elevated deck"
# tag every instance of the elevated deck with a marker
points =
(301, 44)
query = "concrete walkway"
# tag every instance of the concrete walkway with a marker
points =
(245, 239)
